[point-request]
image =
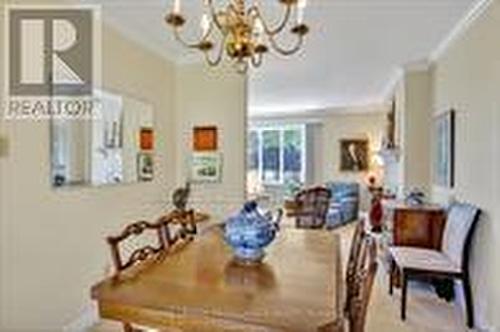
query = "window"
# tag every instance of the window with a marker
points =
(271, 155)
(276, 155)
(253, 152)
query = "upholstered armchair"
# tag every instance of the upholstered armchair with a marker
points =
(311, 207)
(344, 204)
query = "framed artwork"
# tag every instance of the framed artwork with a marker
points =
(354, 155)
(146, 139)
(145, 167)
(205, 138)
(113, 133)
(206, 167)
(444, 159)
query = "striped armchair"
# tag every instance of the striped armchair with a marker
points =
(344, 205)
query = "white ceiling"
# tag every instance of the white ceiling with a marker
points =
(350, 57)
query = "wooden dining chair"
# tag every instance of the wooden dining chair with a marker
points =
(451, 262)
(140, 250)
(354, 318)
(353, 263)
(363, 286)
(178, 227)
(133, 246)
(312, 206)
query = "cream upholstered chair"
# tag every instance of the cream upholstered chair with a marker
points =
(451, 262)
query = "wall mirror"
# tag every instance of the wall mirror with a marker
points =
(115, 146)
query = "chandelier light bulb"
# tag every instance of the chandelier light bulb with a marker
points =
(301, 6)
(205, 24)
(177, 7)
(259, 31)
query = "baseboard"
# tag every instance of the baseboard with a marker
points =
(489, 329)
(87, 318)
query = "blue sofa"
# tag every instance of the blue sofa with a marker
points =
(344, 204)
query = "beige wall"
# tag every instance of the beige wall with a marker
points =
(417, 130)
(3, 152)
(369, 126)
(467, 78)
(413, 97)
(52, 241)
(216, 96)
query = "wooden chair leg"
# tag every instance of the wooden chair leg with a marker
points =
(127, 327)
(391, 276)
(404, 291)
(391, 285)
(469, 306)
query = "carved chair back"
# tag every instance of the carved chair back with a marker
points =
(178, 226)
(353, 263)
(313, 205)
(136, 243)
(363, 286)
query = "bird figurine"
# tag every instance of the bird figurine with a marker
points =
(180, 197)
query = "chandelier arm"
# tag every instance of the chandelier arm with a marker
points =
(197, 44)
(220, 53)
(241, 66)
(255, 11)
(214, 14)
(257, 60)
(283, 51)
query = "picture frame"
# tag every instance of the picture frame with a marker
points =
(354, 155)
(145, 167)
(444, 158)
(146, 139)
(205, 138)
(206, 167)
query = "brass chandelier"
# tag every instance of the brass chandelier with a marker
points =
(240, 31)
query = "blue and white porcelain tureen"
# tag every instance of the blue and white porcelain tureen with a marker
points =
(249, 232)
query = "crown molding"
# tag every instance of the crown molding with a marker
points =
(320, 113)
(390, 88)
(476, 10)
(415, 66)
(136, 38)
(473, 14)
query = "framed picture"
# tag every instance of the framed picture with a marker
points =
(205, 138)
(444, 159)
(206, 167)
(354, 155)
(146, 139)
(145, 167)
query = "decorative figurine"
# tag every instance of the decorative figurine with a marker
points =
(376, 214)
(180, 197)
(415, 197)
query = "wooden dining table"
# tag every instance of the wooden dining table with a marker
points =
(199, 287)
